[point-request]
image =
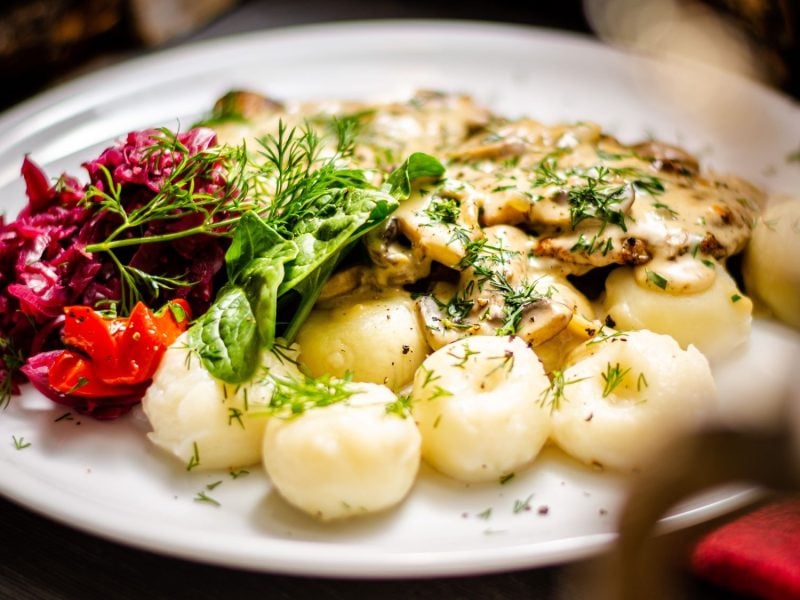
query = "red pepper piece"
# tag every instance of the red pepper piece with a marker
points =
(122, 351)
(73, 375)
(88, 331)
(143, 343)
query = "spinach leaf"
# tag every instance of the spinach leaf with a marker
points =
(255, 266)
(226, 337)
(323, 241)
(252, 238)
(417, 166)
(260, 281)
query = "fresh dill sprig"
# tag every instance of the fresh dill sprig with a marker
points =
(20, 443)
(284, 181)
(461, 361)
(593, 245)
(485, 514)
(613, 377)
(400, 407)
(597, 200)
(521, 505)
(554, 394)
(601, 336)
(504, 479)
(443, 210)
(205, 498)
(516, 300)
(194, 459)
(235, 414)
(292, 397)
(13, 358)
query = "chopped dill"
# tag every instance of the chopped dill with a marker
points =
(20, 443)
(194, 459)
(554, 394)
(612, 377)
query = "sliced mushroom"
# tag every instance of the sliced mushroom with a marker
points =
(486, 312)
(343, 282)
(441, 222)
(621, 249)
(665, 157)
(396, 261)
(243, 104)
(504, 141)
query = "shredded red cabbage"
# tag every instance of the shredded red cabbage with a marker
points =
(44, 265)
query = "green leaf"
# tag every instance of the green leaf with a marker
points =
(260, 281)
(255, 261)
(252, 238)
(226, 337)
(321, 237)
(417, 166)
(323, 241)
(309, 289)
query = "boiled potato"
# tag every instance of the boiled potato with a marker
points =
(375, 336)
(623, 395)
(476, 402)
(204, 422)
(344, 459)
(771, 269)
(716, 320)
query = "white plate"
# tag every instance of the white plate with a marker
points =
(105, 478)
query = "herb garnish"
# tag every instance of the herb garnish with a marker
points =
(400, 407)
(554, 393)
(520, 505)
(485, 514)
(656, 279)
(613, 376)
(203, 497)
(292, 397)
(443, 210)
(11, 359)
(194, 459)
(20, 444)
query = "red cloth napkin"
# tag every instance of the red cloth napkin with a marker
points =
(757, 554)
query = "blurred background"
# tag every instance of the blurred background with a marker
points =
(43, 42)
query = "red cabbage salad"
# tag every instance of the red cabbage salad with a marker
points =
(232, 242)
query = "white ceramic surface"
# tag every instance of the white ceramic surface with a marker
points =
(107, 479)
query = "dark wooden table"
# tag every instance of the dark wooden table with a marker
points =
(41, 559)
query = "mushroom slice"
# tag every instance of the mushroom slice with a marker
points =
(396, 260)
(343, 282)
(665, 157)
(531, 311)
(441, 222)
(245, 104)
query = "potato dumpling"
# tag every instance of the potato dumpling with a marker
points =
(476, 402)
(716, 320)
(771, 268)
(344, 459)
(203, 421)
(376, 336)
(622, 395)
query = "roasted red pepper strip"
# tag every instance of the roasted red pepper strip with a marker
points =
(121, 352)
(73, 375)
